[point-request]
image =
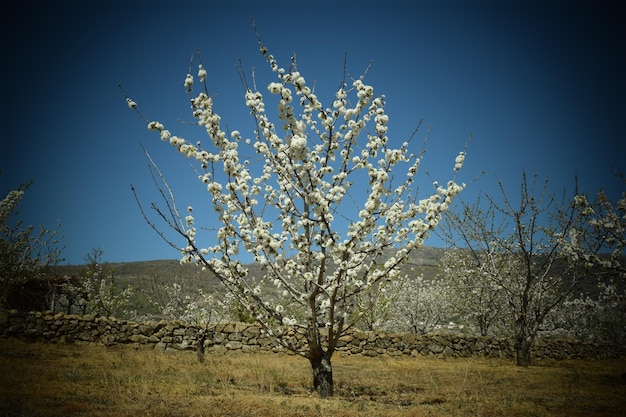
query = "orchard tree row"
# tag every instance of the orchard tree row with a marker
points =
(520, 269)
(567, 279)
(327, 204)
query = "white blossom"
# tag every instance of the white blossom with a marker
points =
(201, 75)
(188, 82)
(458, 162)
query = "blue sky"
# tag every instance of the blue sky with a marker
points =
(539, 85)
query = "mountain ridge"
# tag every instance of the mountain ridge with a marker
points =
(427, 256)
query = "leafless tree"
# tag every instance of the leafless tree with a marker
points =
(520, 249)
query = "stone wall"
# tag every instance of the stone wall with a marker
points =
(227, 337)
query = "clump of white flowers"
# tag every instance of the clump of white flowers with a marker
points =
(458, 162)
(189, 82)
(201, 73)
(8, 205)
(25, 250)
(605, 227)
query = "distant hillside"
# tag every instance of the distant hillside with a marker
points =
(142, 274)
(138, 273)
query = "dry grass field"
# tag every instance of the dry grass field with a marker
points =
(69, 380)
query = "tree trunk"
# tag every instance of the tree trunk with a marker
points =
(322, 375)
(523, 338)
(318, 357)
(522, 351)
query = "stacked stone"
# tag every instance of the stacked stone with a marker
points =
(242, 337)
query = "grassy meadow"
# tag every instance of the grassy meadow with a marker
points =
(88, 380)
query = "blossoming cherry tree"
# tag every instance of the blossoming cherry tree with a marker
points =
(317, 212)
